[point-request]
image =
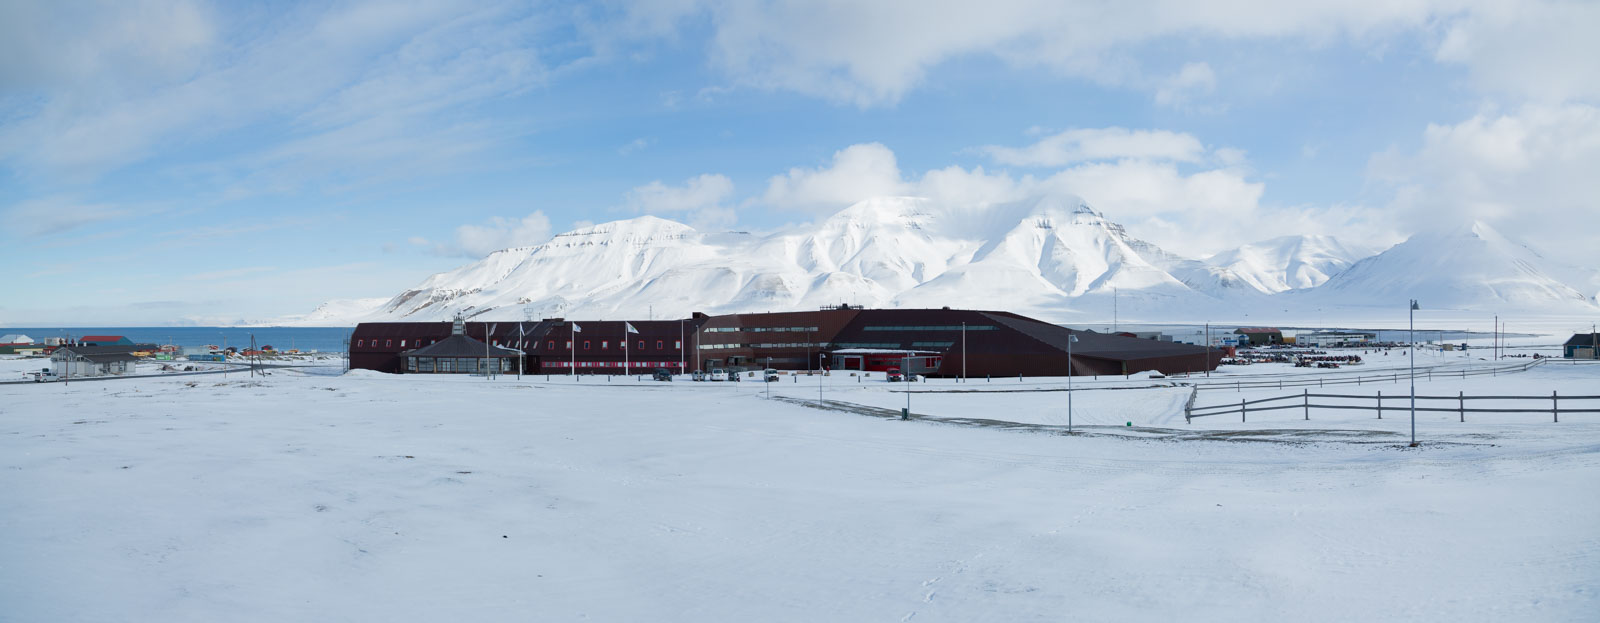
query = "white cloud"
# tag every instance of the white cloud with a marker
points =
(856, 172)
(356, 90)
(1544, 51)
(1193, 81)
(1529, 173)
(702, 198)
(1194, 213)
(874, 53)
(634, 145)
(1100, 144)
(476, 241)
(59, 214)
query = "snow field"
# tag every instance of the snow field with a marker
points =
(371, 497)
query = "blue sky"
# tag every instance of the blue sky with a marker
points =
(183, 161)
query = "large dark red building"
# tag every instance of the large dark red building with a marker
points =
(940, 342)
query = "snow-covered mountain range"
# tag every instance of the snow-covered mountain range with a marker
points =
(1056, 259)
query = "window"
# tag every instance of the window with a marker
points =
(586, 344)
(402, 343)
(360, 343)
(641, 345)
(678, 344)
(552, 345)
(388, 343)
(569, 344)
(659, 344)
(605, 344)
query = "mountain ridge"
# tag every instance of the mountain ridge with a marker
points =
(1054, 258)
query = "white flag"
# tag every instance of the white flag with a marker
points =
(576, 328)
(630, 327)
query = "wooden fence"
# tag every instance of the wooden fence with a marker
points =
(1401, 403)
(1321, 380)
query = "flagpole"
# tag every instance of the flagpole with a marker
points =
(572, 347)
(625, 340)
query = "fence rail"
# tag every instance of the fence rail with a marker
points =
(1393, 377)
(1304, 402)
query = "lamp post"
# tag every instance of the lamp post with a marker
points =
(963, 352)
(764, 380)
(1070, 339)
(819, 376)
(1412, 331)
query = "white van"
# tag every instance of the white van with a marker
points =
(718, 374)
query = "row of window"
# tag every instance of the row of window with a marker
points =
(389, 343)
(766, 345)
(606, 345)
(760, 329)
(457, 364)
(587, 344)
(636, 365)
(869, 345)
(950, 327)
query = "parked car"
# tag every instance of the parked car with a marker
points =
(895, 376)
(718, 374)
(45, 375)
(697, 375)
(770, 375)
(662, 374)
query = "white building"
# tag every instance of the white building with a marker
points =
(15, 338)
(1335, 338)
(81, 361)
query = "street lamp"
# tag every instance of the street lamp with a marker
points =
(1412, 314)
(1070, 339)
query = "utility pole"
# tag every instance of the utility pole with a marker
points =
(1070, 339)
(1113, 309)
(1208, 349)
(1412, 314)
(963, 352)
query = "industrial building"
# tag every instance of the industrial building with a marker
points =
(937, 342)
(1329, 339)
(1259, 336)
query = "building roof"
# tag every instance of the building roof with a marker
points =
(109, 358)
(101, 338)
(1583, 339)
(108, 349)
(15, 338)
(460, 346)
(1257, 330)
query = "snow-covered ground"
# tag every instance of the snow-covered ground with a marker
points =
(372, 497)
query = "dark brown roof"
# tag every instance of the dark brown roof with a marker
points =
(460, 346)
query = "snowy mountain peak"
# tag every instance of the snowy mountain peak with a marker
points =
(1472, 266)
(1289, 262)
(1049, 257)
